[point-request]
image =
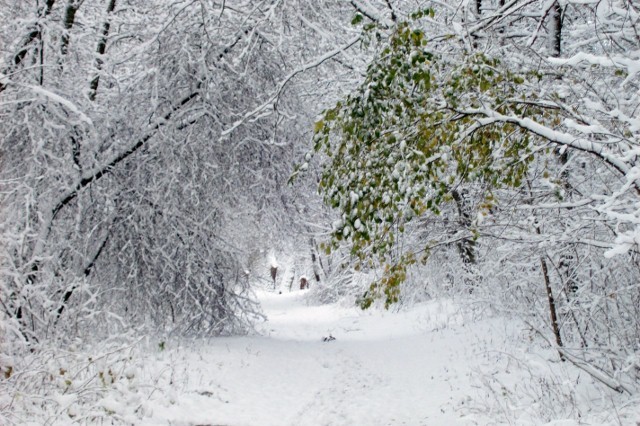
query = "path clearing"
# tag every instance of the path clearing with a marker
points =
(410, 368)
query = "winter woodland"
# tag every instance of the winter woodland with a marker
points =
(169, 168)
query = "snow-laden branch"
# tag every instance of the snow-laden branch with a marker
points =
(554, 136)
(101, 170)
(60, 100)
(274, 97)
(546, 9)
(509, 8)
(631, 65)
(35, 33)
(570, 205)
(366, 9)
(93, 175)
(585, 366)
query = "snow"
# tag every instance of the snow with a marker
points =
(382, 368)
(273, 263)
(62, 101)
(425, 365)
(631, 64)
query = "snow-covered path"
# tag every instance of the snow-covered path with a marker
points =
(422, 366)
(410, 368)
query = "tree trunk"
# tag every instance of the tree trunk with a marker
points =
(478, 5)
(552, 303)
(102, 47)
(555, 29)
(86, 272)
(466, 247)
(69, 20)
(274, 274)
(293, 278)
(314, 260)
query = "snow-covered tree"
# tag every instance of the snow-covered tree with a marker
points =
(145, 151)
(517, 119)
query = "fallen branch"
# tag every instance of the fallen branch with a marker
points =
(585, 366)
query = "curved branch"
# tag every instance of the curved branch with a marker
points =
(101, 171)
(273, 98)
(553, 136)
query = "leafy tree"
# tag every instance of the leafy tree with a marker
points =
(400, 146)
(533, 152)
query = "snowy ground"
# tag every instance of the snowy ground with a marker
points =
(428, 365)
(381, 369)
(424, 366)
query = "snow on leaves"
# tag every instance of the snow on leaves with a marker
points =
(400, 144)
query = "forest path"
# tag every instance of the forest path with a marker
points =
(408, 368)
(382, 368)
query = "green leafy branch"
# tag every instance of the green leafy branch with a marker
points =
(401, 143)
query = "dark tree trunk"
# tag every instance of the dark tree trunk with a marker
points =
(467, 246)
(555, 29)
(102, 47)
(552, 305)
(86, 272)
(69, 20)
(274, 274)
(314, 260)
(34, 34)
